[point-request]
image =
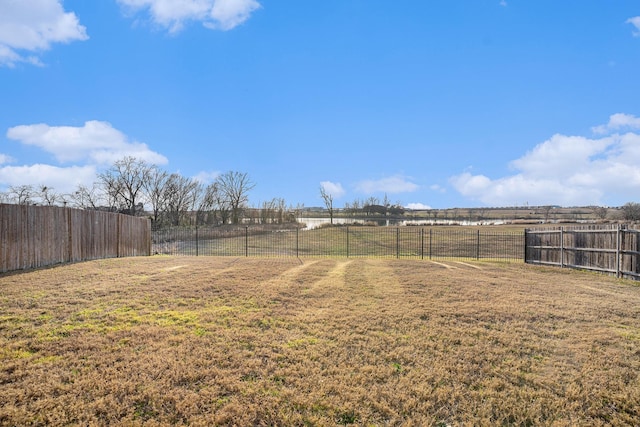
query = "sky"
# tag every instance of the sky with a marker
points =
(435, 104)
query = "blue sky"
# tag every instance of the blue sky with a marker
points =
(456, 103)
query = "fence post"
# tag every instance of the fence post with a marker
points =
(397, 242)
(197, 244)
(525, 245)
(478, 246)
(246, 241)
(421, 243)
(347, 241)
(430, 242)
(618, 250)
(561, 247)
(150, 243)
(70, 230)
(119, 234)
(297, 242)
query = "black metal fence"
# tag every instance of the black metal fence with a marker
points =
(352, 241)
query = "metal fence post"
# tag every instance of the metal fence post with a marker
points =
(478, 246)
(246, 241)
(347, 241)
(421, 243)
(197, 244)
(297, 242)
(430, 242)
(397, 242)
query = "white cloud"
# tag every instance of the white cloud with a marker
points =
(206, 177)
(333, 188)
(96, 142)
(61, 179)
(392, 185)
(520, 189)
(561, 156)
(214, 14)
(4, 158)
(418, 206)
(228, 14)
(566, 170)
(617, 122)
(31, 26)
(635, 21)
(438, 188)
(92, 146)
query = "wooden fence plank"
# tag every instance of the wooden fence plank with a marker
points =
(36, 236)
(610, 249)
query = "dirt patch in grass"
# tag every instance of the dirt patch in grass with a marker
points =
(222, 341)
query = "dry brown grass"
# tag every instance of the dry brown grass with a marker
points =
(233, 341)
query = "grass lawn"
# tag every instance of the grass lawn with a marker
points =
(249, 341)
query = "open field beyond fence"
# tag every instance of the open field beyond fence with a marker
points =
(390, 242)
(335, 341)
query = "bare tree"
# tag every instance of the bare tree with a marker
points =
(124, 183)
(356, 207)
(347, 208)
(87, 197)
(205, 203)
(21, 194)
(601, 212)
(221, 206)
(328, 201)
(546, 210)
(372, 206)
(273, 211)
(297, 211)
(631, 211)
(481, 213)
(234, 188)
(218, 208)
(267, 211)
(154, 187)
(386, 203)
(471, 212)
(179, 197)
(371, 201)
(47, 196)
(281, 209)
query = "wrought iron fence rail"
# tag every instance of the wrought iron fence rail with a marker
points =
(378, 242)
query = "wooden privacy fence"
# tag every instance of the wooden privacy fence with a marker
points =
(36, 236)
(608, 249)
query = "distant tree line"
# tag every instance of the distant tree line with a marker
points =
(628, 212)
(374, 207)
(631, 211)
(135, 187)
